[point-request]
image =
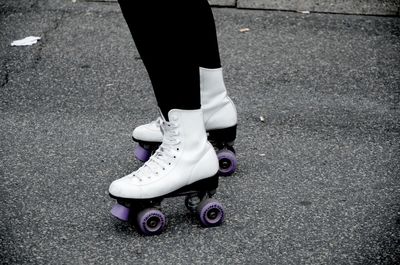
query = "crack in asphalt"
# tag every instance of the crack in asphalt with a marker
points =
(5, 77)
(57, 22)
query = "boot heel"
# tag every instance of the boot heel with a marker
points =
(223, 141)
(226, 135)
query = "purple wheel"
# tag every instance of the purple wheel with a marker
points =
(211, 213)
(121, 212)
(151, 221)
(142, 153)
(227, 162)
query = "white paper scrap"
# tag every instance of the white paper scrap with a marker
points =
(26, 41)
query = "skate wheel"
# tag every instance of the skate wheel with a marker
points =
(211, 213)
(120, 212)
(151, 221)
(227, 162)
(142, 153)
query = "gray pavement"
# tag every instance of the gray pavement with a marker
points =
(365, 7)
(318, 180)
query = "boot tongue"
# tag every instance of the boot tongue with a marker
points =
(173, 115)
(170, 116)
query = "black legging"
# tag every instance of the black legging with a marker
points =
(174, 39)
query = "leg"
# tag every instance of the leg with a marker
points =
(167, 48)
(207, 39)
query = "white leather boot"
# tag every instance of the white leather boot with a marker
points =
(184, 157)
(218, 109)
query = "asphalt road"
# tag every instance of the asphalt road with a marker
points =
(318, 179)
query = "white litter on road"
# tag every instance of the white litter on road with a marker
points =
(26, 41)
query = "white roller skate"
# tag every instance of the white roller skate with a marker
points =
(220, 121)
(185, 164)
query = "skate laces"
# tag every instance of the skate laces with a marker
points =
(164, 155)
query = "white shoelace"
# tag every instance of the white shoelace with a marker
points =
(164, 155)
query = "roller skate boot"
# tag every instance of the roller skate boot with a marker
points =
(185, 164)
(220, 121)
